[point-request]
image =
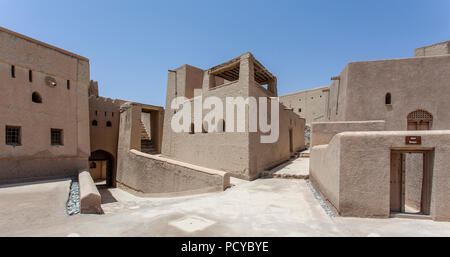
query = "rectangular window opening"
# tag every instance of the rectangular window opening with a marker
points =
(12, 134)
(56, 137)
(13, 71)
(68, 84)
(30, 75)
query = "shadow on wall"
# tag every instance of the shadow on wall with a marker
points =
(151, 175)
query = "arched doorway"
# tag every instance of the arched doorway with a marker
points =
(101, 166)
(420, 120)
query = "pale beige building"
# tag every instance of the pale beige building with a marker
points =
(104, 115)
(376, 156)
(44, 116)
(309, 104)
(392, 90)
(55, 125)
(241, 154)
(104, 119)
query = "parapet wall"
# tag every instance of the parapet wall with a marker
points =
(441, 48)
(20, 170)
(90, 198)
(324, 172)
(157, 176)
(152, 175)
(323, 132)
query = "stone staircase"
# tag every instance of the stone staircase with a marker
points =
(297, 168)
(147, 145)
(144, 132)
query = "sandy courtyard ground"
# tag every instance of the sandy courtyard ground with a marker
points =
(265, 207)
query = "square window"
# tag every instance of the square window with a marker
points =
(12, 135)
(56, 136)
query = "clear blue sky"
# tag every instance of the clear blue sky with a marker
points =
(132, 44)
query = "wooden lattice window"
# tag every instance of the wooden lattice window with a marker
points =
(420, 120)
(12, 135)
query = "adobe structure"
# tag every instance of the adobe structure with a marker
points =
(380, 149)
(383, 150)
(309, 104)
(44, 112)
(63, 128)
(239, 153)
(104, 115)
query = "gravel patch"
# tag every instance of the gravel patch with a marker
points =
(73, 204)
(319, 199)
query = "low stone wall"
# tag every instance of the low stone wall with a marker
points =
(151, 175)
(323, 132)
(90, 198)
(23, 170)
(156, 176)
(324, 172)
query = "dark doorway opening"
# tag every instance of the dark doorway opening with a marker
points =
(101, 166)
(410, 181)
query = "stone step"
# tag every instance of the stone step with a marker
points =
(284, 176)
(295, 155)
(148, 147)
(148, 151)
(304, 154)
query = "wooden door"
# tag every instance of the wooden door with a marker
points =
(423, 125)
(412, 125)
(396, 182)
